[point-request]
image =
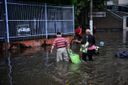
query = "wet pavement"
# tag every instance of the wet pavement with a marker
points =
(36, 66)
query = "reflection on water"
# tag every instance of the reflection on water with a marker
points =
(9, 68)
(36, 66)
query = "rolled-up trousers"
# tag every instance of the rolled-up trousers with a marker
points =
(62, 54)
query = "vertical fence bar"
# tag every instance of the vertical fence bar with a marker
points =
(46, 21)
(91, 16)
(73, 19)
(6, 17)
(125, 29)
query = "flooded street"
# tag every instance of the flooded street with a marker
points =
(36, 66)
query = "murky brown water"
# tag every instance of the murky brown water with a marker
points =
(37, 66)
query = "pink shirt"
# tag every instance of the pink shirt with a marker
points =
(60, 42)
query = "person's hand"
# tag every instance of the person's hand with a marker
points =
(77, 41)
(51, 51)
(68, 47)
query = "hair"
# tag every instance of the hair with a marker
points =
(58, 33)
(88, 30)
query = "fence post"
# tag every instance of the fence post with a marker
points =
(91, 16)
(46, 21)
(7, 27)
(73, 18)
(125, 29)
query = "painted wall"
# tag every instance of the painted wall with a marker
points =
(123, 2)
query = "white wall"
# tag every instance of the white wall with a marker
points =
(110, 3)
(123, 2)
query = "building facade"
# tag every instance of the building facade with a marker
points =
(123, 2)
(117, 2)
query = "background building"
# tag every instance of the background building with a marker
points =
(117, 2)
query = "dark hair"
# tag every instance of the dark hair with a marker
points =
(58, 33)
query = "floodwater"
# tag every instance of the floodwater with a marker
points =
(36, 66)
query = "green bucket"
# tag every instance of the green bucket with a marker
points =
(75, 58)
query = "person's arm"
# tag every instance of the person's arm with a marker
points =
(94, 40)
(53, 45)
(52, 48)
(83, 39)
(67, 42)
(78, 41)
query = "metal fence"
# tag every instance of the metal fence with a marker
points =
(2, 25)
(35, 20)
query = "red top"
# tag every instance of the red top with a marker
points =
(60, 42)
(78, 31)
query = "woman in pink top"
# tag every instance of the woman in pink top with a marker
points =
(91, 47)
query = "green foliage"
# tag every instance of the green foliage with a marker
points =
(84, 5)
(99, 4)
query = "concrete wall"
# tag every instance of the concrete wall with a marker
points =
(108, 22)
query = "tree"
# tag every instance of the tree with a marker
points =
(82, 8)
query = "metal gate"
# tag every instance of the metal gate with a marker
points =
(2, 25)
(27, 21)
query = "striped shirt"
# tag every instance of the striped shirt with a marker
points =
(60, 42)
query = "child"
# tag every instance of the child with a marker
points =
(61, 44)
